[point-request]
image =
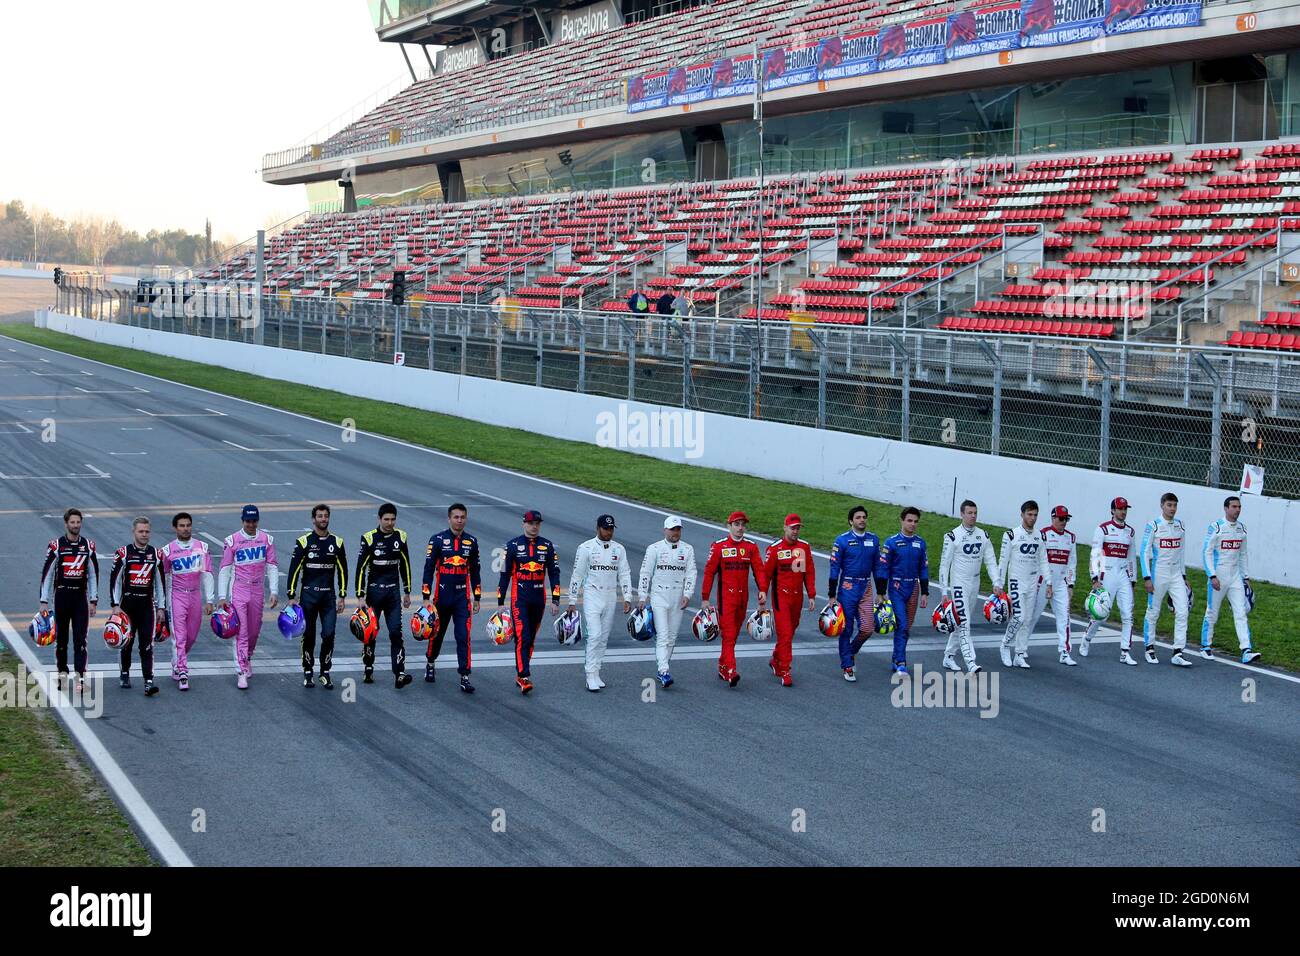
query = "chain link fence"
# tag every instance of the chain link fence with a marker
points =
(1190, 414)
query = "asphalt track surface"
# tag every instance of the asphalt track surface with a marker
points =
(825, 772)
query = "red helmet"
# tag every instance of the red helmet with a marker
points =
(365, 625)
(118, 629)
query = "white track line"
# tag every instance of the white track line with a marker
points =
(146, 821)
(494, 468)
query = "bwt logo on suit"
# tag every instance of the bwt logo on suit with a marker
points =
(76, 910)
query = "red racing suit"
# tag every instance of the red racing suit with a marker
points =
(789, 570)
(732, 561)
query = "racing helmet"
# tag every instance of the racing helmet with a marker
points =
(118, 629)
(831, 620)
(641, 624)
(759, 625)
(568, 627)
(705, 625)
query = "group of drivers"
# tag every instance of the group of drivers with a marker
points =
(874, 586)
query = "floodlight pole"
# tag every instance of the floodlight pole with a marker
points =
(756, 356)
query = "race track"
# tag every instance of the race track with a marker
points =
(1184, 770)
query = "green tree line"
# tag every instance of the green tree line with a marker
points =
(38, 235)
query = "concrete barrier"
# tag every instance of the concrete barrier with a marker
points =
(932, 478)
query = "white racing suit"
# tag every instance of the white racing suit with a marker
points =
(1022, 569)
(1061, 558)
(600, 572)
(959, 577)
(1161, 559)
(1113, 562)
(667, 575)
(1224, 555)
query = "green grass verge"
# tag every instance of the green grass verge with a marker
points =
(705, 493)
(53, 811)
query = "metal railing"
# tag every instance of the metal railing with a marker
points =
(1185, 413)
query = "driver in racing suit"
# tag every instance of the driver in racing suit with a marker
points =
(903, 573)
(187, 567)
(384, 583)
(1022, 569)
(667, 581)
(1058, 585)
(318, 584)
(732, 559)
(790, 572)
(853, 565)
(1113, 565)
(135, 586)
(530, 560)
(1224, 556)
(1163, 572)
(600, 573)
(248, 565)
(964, 548)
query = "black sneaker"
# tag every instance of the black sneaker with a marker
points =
(124, 682)
(325, 680)
(150, 688)
(306, 679)
(466, 686)
(428, 673)
(370, 676)
(402, 680)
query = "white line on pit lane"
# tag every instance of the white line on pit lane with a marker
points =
(504, 501)
(128, 796)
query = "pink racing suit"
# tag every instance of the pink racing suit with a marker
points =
(248, 571)
(187, 573)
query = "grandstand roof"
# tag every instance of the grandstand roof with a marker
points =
(452, 21)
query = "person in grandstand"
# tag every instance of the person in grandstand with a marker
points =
(530, 561)
(453, 584)
(187, 576)
(248, 580)
(790, 573)
(135, 586)
(732, 560)
(1113, 566)
(1224, 556)
(1022, 570)
(667, 581)
(964, 548)
(318, 584)
(853, 565)
(903, 575)
(1057, 588)
(70, 580)
(383, 582)
(1163, 573)
(600, 574)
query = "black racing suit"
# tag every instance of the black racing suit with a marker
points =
(383, 577)
(136, 584)
(70, 580)
(452, 583)
(318, 579)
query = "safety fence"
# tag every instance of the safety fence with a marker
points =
(1185, 413)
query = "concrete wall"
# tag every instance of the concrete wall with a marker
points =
(932, 478)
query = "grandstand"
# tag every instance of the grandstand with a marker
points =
(1060, 169)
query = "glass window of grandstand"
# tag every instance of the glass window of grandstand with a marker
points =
(1247, 98)
(602, 164)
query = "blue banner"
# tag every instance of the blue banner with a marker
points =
(908, 45)
(991, 29)
(857, 54)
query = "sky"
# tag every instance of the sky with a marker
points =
(158, 113)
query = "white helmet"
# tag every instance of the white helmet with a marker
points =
(641, 624)
(995, 610)
(568, 627)
(1099, 604)
(501, 627)
(705, 625)
(759, 625)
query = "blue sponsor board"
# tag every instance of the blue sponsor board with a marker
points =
(733, 76)
(984, 30)
(690, 84)
(648, 92)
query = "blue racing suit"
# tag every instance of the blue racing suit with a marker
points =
(903, 572)
(853, 564)
(529, 562)
(452, 585)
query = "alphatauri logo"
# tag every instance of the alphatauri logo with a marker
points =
(76, 909)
